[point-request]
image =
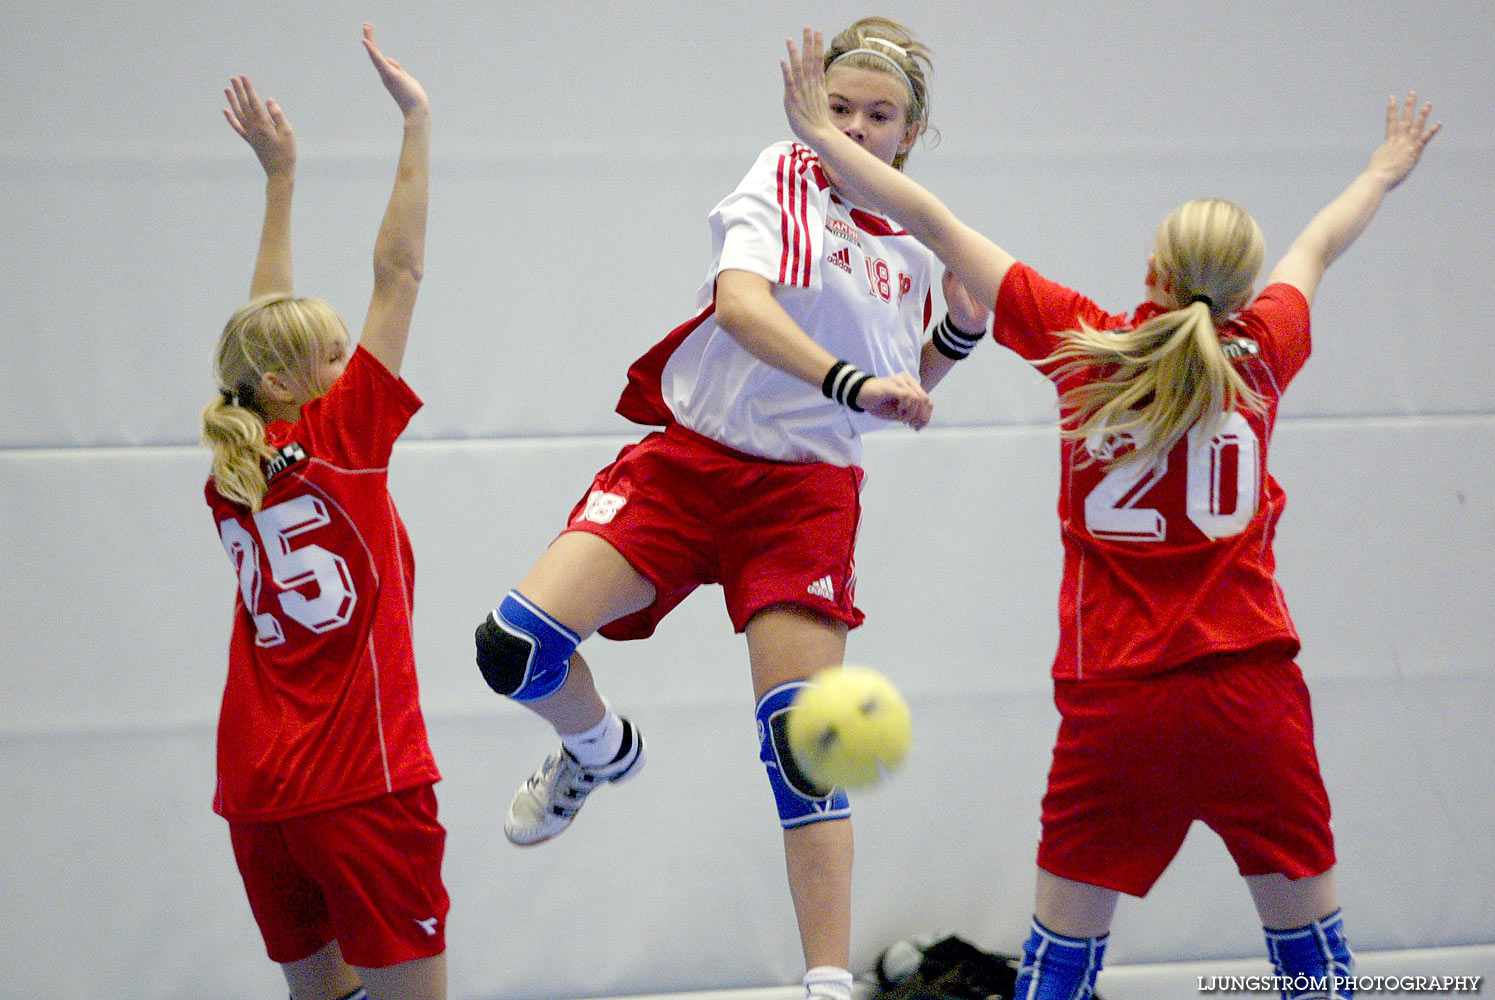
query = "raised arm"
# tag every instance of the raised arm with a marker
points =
(400, 248)
(264, 127)
(1338, 223)
(978, 262)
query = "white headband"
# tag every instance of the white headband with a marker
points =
(879, 54)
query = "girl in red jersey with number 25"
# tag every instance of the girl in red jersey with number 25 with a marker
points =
(324, 771)
(1175, 681)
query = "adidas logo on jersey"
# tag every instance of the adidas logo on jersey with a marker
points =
(842, 259)
(823, 588)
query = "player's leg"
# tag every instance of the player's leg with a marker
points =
(1305, 935)
(323, 975)
(527, 651)
(1074, 909)
(1273, 815)
(291, 910)
(786, 645)
(418, 979)
(1284, 903)
(1113, 818)
(1066, 944)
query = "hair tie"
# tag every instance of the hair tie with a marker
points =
(880, 54)
(228, 397)
(1209, 303)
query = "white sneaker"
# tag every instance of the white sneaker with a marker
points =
(554, 794)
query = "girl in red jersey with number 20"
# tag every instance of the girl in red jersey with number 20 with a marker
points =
(1175, 681)
(324, 771)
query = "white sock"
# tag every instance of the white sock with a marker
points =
(598, 745)
(829, 982)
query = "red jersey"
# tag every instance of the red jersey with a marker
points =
(1172, 562)
(321, 705)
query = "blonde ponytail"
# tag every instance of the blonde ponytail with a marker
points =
(274, 333)
(1153, 383)
(236, 435)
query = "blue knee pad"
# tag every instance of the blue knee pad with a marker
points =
(799, 799)
(1317, 957)
(524, 653)
(1056, 967)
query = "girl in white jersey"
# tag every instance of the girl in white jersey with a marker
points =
(1174, 679)
(808, 331)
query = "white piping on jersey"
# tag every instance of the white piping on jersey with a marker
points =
(379, 716)
(374, 569)
(1269, 422)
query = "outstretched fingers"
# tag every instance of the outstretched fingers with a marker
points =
(1406, 119)
(805, 99)
(1407, 134)
(261, 124)
(403, 87)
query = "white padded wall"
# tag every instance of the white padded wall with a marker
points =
(578, 148)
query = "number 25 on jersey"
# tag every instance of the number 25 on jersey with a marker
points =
(289, 568)
(1221, 488)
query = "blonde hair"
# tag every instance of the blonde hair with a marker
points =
(1171, 372)
(273, 333)
(898, 44)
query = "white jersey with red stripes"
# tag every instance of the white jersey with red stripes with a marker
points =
(854, 281)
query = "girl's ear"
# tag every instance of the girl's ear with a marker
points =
(273, 386)
(909, 135)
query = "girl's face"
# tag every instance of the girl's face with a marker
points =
(872, 108)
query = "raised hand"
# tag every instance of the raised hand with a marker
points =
(806, 103)
(262, 125)
(1406, 136)
(403, 87)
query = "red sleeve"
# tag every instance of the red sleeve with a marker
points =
(1278, 321)
(1031, 311)
(355, 424)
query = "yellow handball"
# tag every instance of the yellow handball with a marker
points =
(849, 728)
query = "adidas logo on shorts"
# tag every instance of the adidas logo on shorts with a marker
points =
(823, 588)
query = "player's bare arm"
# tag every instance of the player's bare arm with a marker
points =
(263, 125)
(400, 248)
(1338, 224)
(746, 308)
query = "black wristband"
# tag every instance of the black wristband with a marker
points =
(953, 342)
(843, 383)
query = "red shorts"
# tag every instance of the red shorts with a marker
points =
(366, 874)
(685, 510)
(1227, 740)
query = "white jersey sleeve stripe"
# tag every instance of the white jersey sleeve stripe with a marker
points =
(794, 198)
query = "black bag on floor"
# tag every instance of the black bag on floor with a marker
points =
(951, 969)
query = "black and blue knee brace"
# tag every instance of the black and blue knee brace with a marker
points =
(524, 653)
(799, 799)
